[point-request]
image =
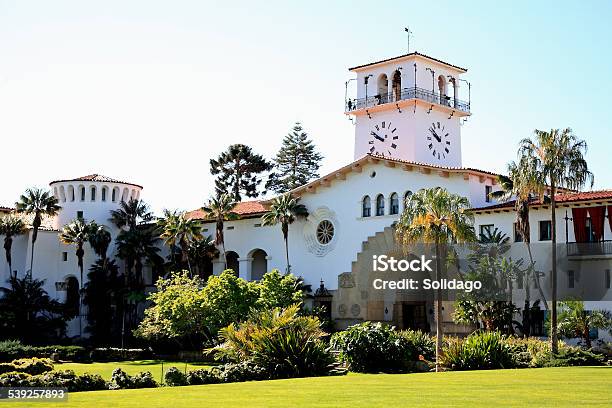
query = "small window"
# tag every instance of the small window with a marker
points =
(114, 195)
(570, 279)
(486, 230)
(80, 215)
(380, 205)
(64, 256)
(517, 234)
(230, 228)
(104, 194)
(82, 193)
(394, 201)
(366, 207)
(257, 225)
(205, 229)
(607, 278)
(488, 191)
(545, 231)
(325, 232)
(93, 194)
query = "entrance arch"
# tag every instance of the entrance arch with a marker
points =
(259, 264)
(232, 262)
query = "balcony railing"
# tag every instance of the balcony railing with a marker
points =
(589, 248)
(407, 93)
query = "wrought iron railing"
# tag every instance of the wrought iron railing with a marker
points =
(589, 248)
(407, 93)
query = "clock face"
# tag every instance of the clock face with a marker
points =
(438, 141)
(384, 139)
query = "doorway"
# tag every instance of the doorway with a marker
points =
(414, 316)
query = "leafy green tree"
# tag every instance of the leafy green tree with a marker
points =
(178, 231)
(576, 321)
(186, 311)
(239, 171)
(99, 239)
(201, 252)
(296, 163)
(29, 314)
(435, 216)
(38, 203)
(11, 226)
(284, 210)
(220, 209)
(557, 158)
(277, 290)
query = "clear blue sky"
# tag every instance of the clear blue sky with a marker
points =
(149, 91)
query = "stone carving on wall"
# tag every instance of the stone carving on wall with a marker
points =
(346, 280)
(342, 310)
(313, 244)
(355, 310)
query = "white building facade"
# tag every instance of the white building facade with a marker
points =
(408, 116)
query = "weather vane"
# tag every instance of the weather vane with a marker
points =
(408, 34)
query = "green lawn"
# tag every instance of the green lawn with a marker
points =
(130, 367)
(558, 387)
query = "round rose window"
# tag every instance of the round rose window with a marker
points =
(325, 232)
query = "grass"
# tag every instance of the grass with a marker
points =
(558, 387)
(130, 367)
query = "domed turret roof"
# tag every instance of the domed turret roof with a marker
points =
(98, 178)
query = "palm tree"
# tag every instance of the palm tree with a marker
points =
(576, 321)
(284, 210)
(220, 209)
(558, 159)
(99, 239)
(435, 216)
(39, 203)
(520, 185)
(11, 226)
(179, 231)
(201, 251)
(77, 233)
(131, 214)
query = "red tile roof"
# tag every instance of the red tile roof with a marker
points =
(98, 178)
(562, 198)
(5, 209)
(244, 209)
(408, 55)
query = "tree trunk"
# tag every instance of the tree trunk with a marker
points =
(80, 258)
(286, 236)
(553, 315)
(439, 333)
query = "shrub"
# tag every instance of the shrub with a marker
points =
(33, 366)
(279, 341)
(14, 379)
(424, 344)
(175, 378)
(120, 380)
(13, 349)
(119, 354)
(6, 368)
(239, 372)
(571, 356)
(203, 376)
(91, 382)
(375, 347)
(144, 380)
(480, 350)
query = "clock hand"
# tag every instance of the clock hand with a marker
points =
(377, 137)
(433, 132)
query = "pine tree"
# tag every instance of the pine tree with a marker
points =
(296, 163)
(239, 170)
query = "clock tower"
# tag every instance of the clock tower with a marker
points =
(409, 108)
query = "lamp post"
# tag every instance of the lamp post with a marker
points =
(366, 80)
(346, 91)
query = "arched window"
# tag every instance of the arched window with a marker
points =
(366, 207)
(380, 205)
(443, 91)
(71, 193)
(394, 204)
(124, 196)
(104, 193)
(82, 193)
(259, 265)
(397, 85)
(407, 195)
(93, 193)
(115, 194)
(232, 262)
(383, 89)
(63, 194)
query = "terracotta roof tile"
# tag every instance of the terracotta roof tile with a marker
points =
(97, 178)
(5, 209)
(244, 208)
(561, 198)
